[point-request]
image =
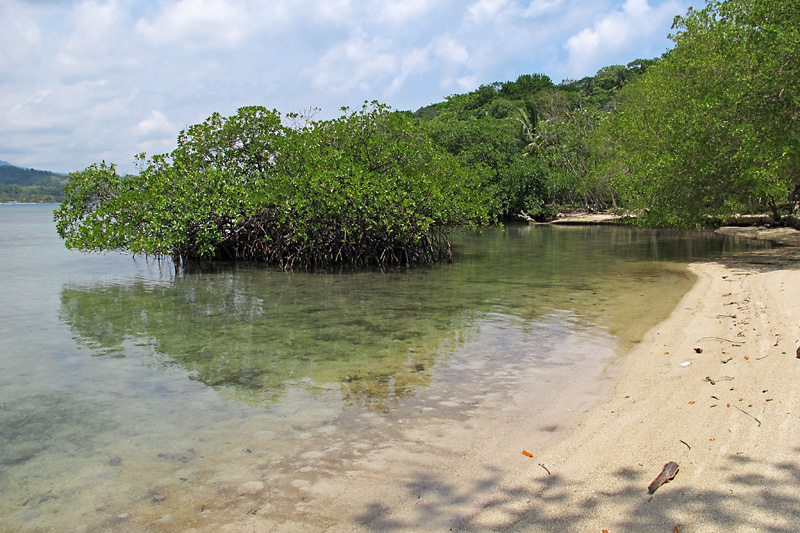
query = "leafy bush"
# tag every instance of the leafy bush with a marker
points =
(365, 188)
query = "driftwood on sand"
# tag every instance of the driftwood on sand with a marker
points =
(668, 472)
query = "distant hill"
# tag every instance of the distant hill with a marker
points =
(29, 185)
(13, 175)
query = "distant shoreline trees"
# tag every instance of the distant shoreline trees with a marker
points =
(26, 185)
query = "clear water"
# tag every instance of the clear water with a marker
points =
(132, 397)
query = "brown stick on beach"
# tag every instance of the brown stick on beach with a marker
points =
(667, 473)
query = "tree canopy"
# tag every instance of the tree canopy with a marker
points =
(365, 188)
(714, 128)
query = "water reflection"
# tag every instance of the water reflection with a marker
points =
(371, 338)
(252, 333)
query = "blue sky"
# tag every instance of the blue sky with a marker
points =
(86, 81)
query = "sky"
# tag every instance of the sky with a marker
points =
(89, 81)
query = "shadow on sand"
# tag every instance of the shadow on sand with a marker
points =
(751, 495)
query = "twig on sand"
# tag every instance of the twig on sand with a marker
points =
(686, 444)
(708, 379)
(717, 338)
(545, 469)
(751, 416)
(667, 473)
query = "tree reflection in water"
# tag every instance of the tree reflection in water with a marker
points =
(372, 337)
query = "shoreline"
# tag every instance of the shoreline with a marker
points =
(730, 418)
(598, 440)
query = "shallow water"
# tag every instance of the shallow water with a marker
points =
(132, 397)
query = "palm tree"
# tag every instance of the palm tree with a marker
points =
(528, 116)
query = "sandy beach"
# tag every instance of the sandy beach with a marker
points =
(714, 388)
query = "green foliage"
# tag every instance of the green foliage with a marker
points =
(528, 117)
(493, 150)
(714, 128)
(548, 125)
(496, 100)
(527, 85)
(369, 187)
(500, 107)
(365, 188)
(523, 189)
(569, 121)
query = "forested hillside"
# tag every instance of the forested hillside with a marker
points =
(529, 138)
(30, 186)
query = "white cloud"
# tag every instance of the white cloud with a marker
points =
(538, 7)
(451, 52)
(336, 11)
(69, 106)
(620, 29)
(415, 62)
(85, 79)
(484, 10)
(155, 134)
(398, 11)
(26, 114)
(468, 83)
(357, 63)
(76, 123)
(20, 38)
(94, 23)
(199, 24)
(96, 44)
(156, 122)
